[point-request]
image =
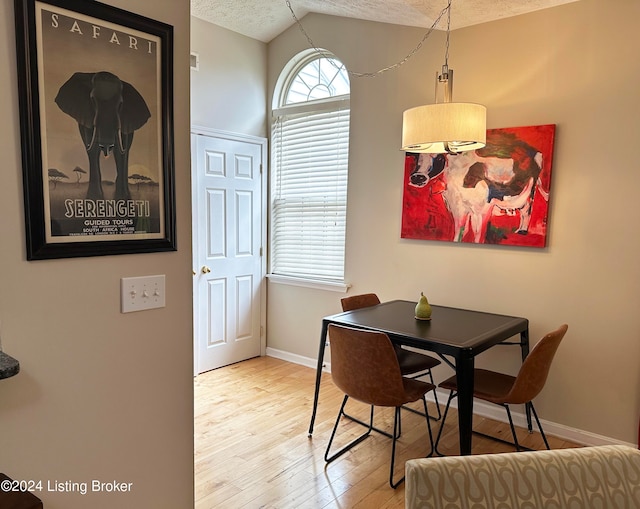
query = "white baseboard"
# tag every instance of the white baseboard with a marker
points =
(297, 359)
(483, 409)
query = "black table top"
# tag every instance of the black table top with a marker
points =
(450, 330)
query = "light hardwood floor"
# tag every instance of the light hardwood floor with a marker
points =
(252, 448)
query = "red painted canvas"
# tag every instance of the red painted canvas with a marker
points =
(498, 194)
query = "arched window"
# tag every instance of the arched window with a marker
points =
(310, 152)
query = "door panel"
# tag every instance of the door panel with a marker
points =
(217, 319)
(228, 235)
(244, 308)
(216, 215)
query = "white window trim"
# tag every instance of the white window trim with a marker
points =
(309, 283)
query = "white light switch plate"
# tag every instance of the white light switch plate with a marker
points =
(140, 293)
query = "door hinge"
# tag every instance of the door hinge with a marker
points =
(261, 330)
(260, 250)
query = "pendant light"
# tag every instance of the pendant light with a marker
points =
(447, 126)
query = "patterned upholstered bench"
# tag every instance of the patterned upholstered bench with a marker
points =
(606, 477)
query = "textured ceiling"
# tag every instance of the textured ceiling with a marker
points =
(265, 19)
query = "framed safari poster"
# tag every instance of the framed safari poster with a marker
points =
(96, 112)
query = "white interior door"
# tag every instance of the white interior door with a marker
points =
(229, 269)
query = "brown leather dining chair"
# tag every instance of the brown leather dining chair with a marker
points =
(412, 364)
(506, 390)
(364, 366)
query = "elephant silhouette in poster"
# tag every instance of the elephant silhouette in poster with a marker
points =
(108, 111)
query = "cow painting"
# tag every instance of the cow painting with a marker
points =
(496, 195)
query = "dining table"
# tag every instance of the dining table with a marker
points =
(456, 335)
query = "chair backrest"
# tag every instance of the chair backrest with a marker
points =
(535, 368)
(359, 301)
(365, 367)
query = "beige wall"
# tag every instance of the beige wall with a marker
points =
(575, 66)
(229, 90)
(101, 395)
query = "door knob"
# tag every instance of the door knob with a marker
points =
(205, 269)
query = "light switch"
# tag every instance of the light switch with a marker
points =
(140, 293)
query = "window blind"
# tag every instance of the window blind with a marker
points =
(309, 194)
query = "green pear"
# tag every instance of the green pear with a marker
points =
(423, 309)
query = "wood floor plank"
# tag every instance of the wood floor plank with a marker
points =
(252, 449)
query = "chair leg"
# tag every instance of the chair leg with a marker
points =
(513, 429)
(535, 414)
(452, 395)
(435, 397)
(424, 402)
(396, 418)
(396, 435)
(366, 425)
(515, 443)
(351, 444)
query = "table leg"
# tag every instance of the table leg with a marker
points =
(524, 346)
(464, 374)
(323, 340)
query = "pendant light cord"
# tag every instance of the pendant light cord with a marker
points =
(377, 73)
(446, 51)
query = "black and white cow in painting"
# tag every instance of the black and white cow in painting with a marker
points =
(503, 175)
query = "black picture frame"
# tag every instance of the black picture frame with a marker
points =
(86, 72)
